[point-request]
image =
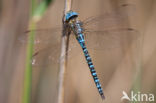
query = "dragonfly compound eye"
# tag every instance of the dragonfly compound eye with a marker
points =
(70, 15)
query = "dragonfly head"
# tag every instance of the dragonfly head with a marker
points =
(70, 15)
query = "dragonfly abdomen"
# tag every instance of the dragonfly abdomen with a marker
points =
(93, 72)
(81, 41)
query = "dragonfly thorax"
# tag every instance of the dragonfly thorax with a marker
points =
(76, 26)
(77, 29)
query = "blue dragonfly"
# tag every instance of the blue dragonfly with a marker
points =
(101, 32)
(76, 27)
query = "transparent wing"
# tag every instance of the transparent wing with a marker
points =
(45, 56)
(51, 54)
(110, 39)
(107, 21)
(108, 30)
(111, 19)
(42, 36)
(46, 45)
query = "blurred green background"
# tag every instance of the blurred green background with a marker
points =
(126, 68)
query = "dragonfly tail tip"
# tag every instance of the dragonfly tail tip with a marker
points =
(103, 97)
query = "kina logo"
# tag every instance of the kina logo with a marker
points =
(140, 97)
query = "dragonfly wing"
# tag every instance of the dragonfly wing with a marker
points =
(46, 44)
(51, 53)
(110, 39)
(110, 19)
(47, 55)
(42, 36)
(107, 22)
(109, 30)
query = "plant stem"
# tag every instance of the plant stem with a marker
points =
(37, 12)
(28, 70)
(63, 57)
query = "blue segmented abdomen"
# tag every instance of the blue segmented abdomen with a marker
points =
(81, 41)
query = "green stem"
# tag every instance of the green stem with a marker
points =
(28, 70)
(37, 12)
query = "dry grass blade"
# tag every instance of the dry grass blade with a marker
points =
(62, 56)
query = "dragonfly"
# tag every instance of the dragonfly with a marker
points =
(77, 28)
(101, 32)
